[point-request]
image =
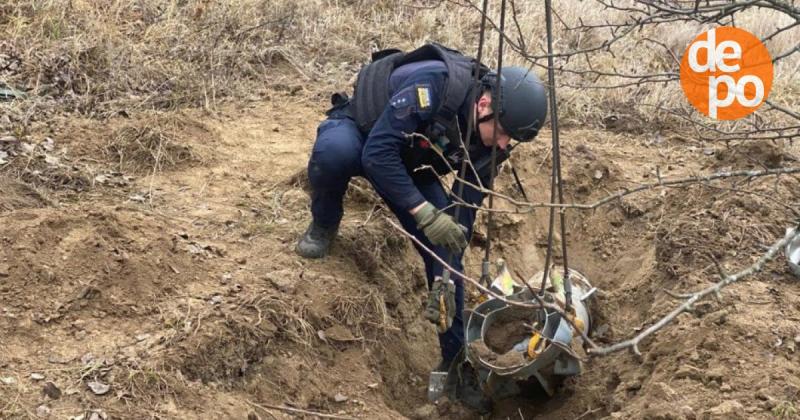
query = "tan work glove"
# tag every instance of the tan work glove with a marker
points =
(441, 305)
(441, 229)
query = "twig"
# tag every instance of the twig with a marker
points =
(526, 207)
(375, 208)
(633, 343)
(155, 168)
(266, 407)
(589, 411)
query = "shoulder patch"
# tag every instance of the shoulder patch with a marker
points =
(402, 104)
(424, 97)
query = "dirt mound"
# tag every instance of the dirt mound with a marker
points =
(193, 304)
(753, 154)
(19, 195)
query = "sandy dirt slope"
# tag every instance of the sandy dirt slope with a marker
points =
(177, 288)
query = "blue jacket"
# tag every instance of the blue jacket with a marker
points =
(391, 157)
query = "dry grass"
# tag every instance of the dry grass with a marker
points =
(364, 313)
(212, 345)
(150, 144)
(110, 57)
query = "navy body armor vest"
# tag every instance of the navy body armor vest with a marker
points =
(372, 93)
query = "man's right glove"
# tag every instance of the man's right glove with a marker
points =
(440, 308)
(441, 229)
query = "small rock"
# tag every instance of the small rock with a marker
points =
(339, 398)
(598, 174)
(633, 386)
(797, 339)
(372, 385)
(688, 412)
(42, 411)
(8, 139)
(142, 337)
(339, 333)
(276, 128)
(51, 390)
(708, 151)
(690, 372)
(98, 388)
(427, 411)
(664, 392)
(729, 409)
(51, 160)
(96, 415)
(253, 416)
(719, 317)
(226, 278)
(726, 388)
(601, 330)
(58, 360)
(241, 260)
(769, 404)
(37, 376)
(8, 380)
(216, 300)
(283, 280)
(4, 270)
(87, 359)
(715, 375)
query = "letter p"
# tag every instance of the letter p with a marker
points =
(714, 102)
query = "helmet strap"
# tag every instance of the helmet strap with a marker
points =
(485, 118)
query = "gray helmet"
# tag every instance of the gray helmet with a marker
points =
(523, 101)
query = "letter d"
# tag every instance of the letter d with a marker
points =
(710, 45)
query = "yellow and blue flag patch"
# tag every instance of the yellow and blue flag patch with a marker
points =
(423, 97)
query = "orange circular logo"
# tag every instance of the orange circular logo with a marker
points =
(726, 73)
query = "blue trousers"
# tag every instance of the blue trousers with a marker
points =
(335, 159)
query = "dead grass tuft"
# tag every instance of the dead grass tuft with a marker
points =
(149, 386)
(372, 246)
(214, 346)
(149, 145)
(18, 195)
(365, 314)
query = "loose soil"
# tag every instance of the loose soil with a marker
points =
(509, 328)
(155, 256)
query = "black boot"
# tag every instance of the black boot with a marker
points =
(316, 242)
(468, 390)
